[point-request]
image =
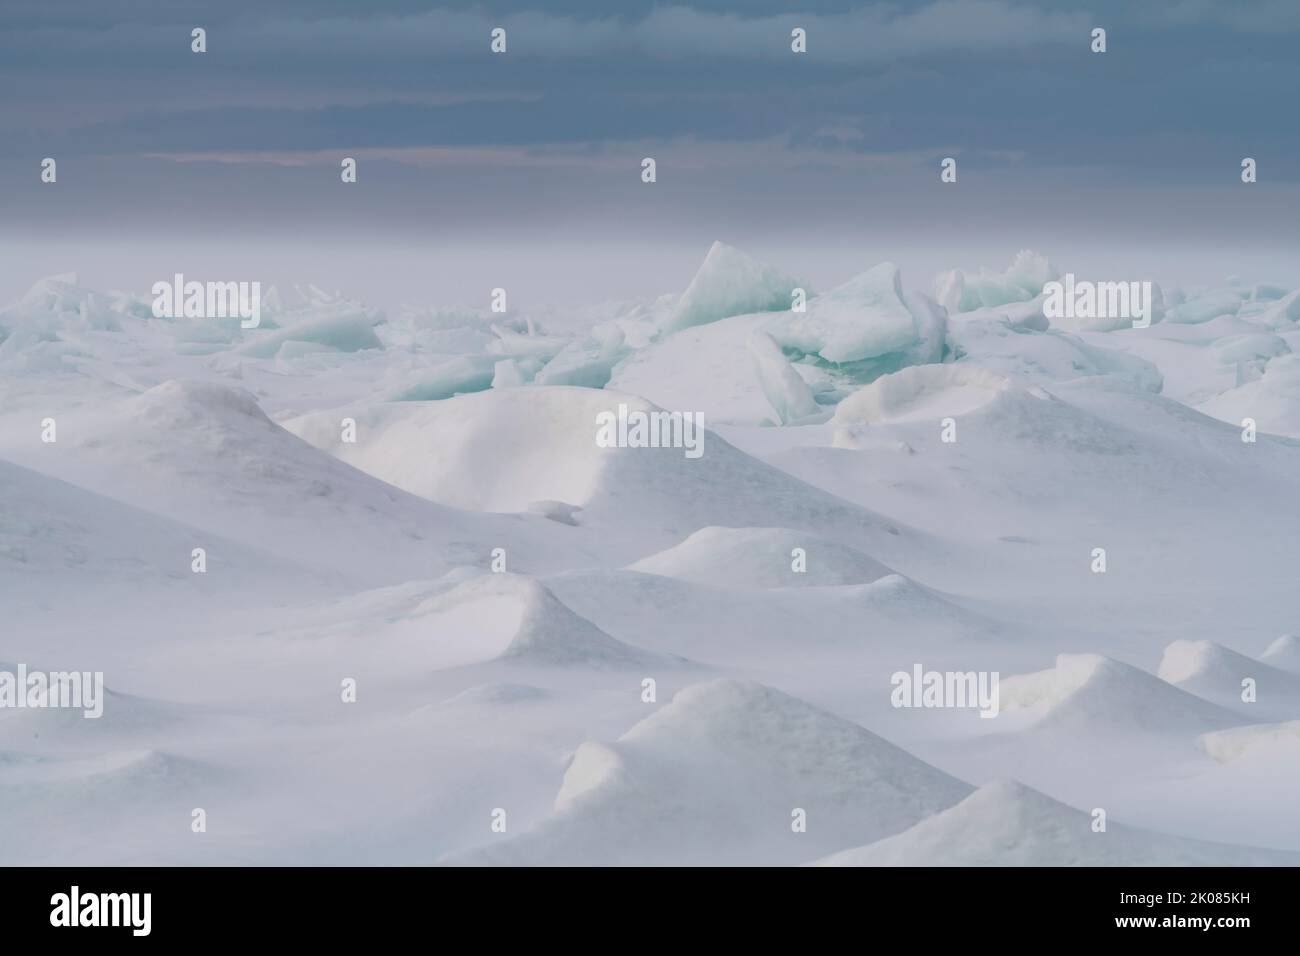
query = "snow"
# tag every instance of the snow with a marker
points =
(762, 558)
(924, 393)
(1095, 694)
(1272, 400)
(640, 656)
(1008, 824)
(714, 777)
(1279, 742)
(1284, 653)
(449, 452)
(1217, 673)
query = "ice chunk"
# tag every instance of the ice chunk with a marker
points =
(1205, 307)
(1284, 314)
(506, 374)
(1249, 348)
(349, 331)
(530, 345)
(1023, 281)
(588, 364)
(729, 283)
(791, 398)
(464, 373)
(1272, 401)
(949, 290)
(865, 318)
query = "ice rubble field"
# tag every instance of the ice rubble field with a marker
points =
(522, 691)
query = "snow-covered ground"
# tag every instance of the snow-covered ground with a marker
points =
(439, 620)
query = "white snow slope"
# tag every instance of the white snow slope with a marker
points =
(380, 588)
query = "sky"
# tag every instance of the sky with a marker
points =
(475, 167)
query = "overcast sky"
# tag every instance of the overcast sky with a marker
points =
(828, 158)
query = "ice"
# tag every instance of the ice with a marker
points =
(587, 363)
(1043, 357)
(1211, 305)
(730, 282)
(791, 398)
(865, 318)
(456, 376)
(1022, 282)
(530, 345)
(346, 332)
(1284, 314)
(1271, 400)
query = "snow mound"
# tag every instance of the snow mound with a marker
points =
(1216, 673)
(1272, 400)
(106, 771)
(1006, 823)
(53, 533)
(730, 282)
(205, 454)
(122, 716)
(553, 635)
(1283, 314)
(715, 778)
(1283, 653)
(541, 629)
(1092, 693)
(504, 449)
(713, 369)
(1043, 357)
(761, 558)
(924, 392)
(1228, 745)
